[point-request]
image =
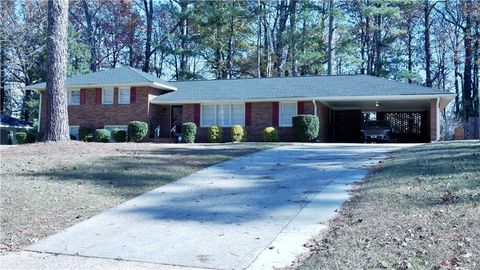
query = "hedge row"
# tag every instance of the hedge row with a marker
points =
(305, 128)
(137, 131)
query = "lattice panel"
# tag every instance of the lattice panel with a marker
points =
(405, 122)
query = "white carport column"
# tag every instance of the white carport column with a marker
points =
(437, 111)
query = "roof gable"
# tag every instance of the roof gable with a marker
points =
(111, 77)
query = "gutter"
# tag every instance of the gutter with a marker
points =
(159, 100)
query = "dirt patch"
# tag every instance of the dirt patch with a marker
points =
(46, 187)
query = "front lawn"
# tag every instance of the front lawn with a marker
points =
(418, 210)
(47, 187)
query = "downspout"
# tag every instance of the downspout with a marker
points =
(39, 112)
(437, 108)
(314, 107)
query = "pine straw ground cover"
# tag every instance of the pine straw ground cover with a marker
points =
(418, 210)
(46, 187)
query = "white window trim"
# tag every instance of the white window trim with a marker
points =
(113, 97)
(280, 112)
(120, 92)
(70, 97)
(74, 126)
(215, 108)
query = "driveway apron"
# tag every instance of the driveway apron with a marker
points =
(255, 211)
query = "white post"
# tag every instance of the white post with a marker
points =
(39, 112)
(314, 107)
(437, 111)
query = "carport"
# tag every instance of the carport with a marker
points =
(415, 119)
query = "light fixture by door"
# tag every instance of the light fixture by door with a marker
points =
(377, 104)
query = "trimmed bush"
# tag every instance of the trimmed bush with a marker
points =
(189, 131)
(305, 127)
(215, 134)
(270, 134)
(239, 133)
(137, 130)
(39, 136)
(119, 135)
(102, 135)
(31, 136)
(86, 134)
(21, 137)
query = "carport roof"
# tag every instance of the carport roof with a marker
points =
(292, 88)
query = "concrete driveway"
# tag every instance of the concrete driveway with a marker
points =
(253, 212)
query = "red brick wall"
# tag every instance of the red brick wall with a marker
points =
(262, 117)
(98, 115)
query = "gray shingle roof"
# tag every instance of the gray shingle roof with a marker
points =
(116, 76)
(291, 87)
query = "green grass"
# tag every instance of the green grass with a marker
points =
(419, 210)
(48, 187)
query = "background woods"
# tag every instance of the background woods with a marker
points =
(432, 43)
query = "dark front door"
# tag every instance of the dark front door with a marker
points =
(348, 125)
(176, 120)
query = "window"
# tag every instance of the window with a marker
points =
(107, 96)
(73, 97)
(224, 115)
(287, 111)
(75, 132)
(124, 96)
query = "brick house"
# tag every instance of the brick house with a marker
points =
(112, 98)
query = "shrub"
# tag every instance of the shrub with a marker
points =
(39, 136)
(137, 130)
(239, 133)
(31, 136)
(189, 130)
(305, 127)
(21, 137)
(215, 134)
(102, 135)
(86, 134)
(270, 134)
(119, 135)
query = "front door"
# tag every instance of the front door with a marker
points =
(176, 118)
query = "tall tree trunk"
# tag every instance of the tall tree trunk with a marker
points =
(426, 44)
(149, 16)
(331, 31)
(293, 25)
(2, 76)
(90, 37)
(476, 62)
(231, 36)
(280, 47)
(183, 43)
(259, 39)
(363, 43)
(378, 45)
(468, 110)
(57, 110)
(410, 53)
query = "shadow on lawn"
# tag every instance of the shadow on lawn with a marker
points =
(425, 177)
(288, 181)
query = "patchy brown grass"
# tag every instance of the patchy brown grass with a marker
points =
(47, 187)
(419, 210)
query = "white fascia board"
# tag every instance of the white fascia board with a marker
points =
(321, 99)
(78, 86)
